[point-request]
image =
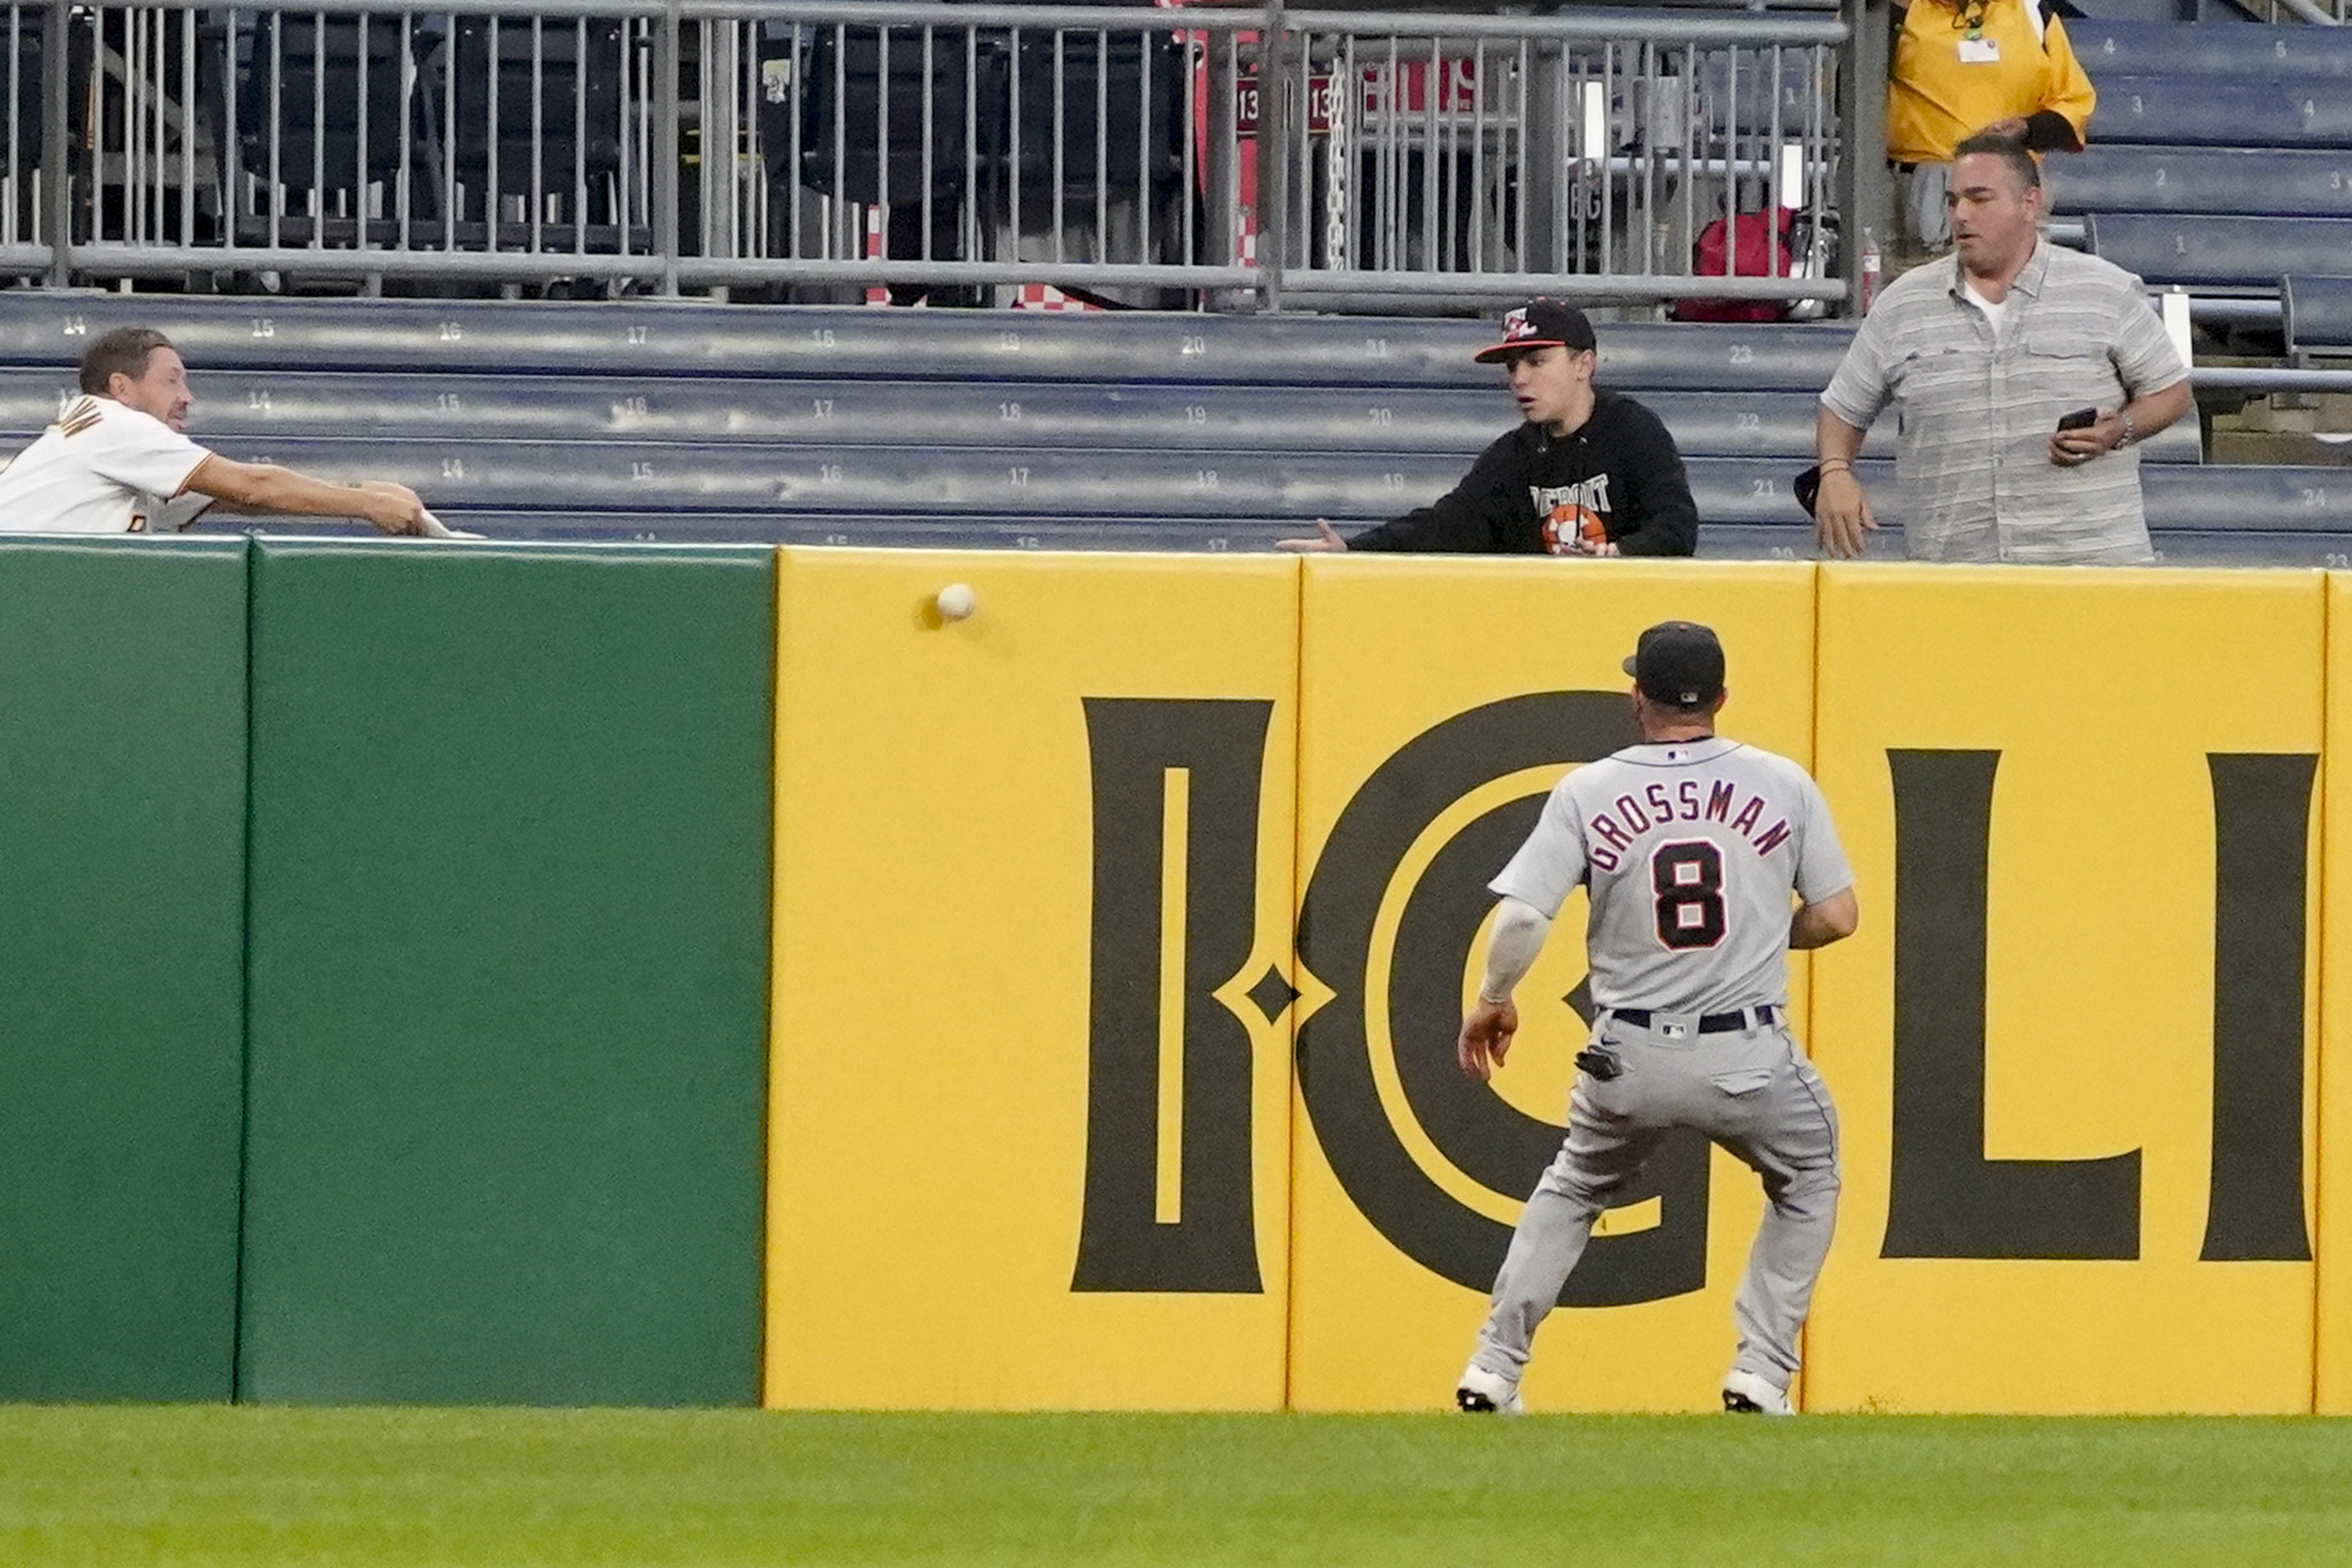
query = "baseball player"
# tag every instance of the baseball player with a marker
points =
(118, 460)
(1691, 846)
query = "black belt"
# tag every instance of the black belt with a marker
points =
(1708, 1023)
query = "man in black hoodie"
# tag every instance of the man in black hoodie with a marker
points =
(1589, 473)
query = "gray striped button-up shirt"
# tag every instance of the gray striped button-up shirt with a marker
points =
(1973, 457)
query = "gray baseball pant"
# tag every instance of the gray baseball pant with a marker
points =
(1751, 1090)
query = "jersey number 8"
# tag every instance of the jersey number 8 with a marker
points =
(1687, 879)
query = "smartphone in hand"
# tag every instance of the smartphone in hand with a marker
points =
(2081, 419)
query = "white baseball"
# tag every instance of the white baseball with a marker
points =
(955, 602)
(436, 529)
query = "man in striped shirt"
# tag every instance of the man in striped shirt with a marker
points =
(1984, 354)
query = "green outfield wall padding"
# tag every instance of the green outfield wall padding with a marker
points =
(508, 974)
(122, 966)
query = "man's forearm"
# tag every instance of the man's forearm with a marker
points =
(1518, 937)
(267, 490)
(2154, 411)
(1834, 440)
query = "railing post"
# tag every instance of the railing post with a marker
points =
(57, 160)
(1546, 140)
(1221, 180)
(720, 133)
(1862, 110)
(667, 175)
(1273, 156)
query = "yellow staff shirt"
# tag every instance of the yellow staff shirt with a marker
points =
(1946, 85)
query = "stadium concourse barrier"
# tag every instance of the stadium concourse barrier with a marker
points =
(643, 974)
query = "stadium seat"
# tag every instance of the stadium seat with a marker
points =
(2318, 311)
(2113, 49)
(292, 65)
(844, 149)
(256, 406)
(695, 339)
(2222, 252)
(1742, 92)
(2248, 497)
(2182, 110)
(557, 87)
(2272, 182)
(701, 422)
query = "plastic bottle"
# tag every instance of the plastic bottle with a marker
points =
(1871, 268)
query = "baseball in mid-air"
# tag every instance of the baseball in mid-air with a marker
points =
(955, 602)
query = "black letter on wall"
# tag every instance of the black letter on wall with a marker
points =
(2262, 821)
(1945, 1199)
(1213, 1247)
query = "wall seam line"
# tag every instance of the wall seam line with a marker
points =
(237, 1372)
(1293, 1091)
(2319, 989)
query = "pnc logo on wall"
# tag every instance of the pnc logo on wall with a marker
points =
(1946, 1199)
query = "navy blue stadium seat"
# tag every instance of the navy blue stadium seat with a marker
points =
(2120, 49)
(251, 406)
(2274, 181)
(2221, 252)
(876, 480)
(1753, 97)
(628, 338)
(2318, 311)
(1273, 487)
(290, 66)
(2163, 13)
(2235, 497)
(2181, 111)
(690, 421)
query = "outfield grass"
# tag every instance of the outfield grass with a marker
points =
(134, 1486)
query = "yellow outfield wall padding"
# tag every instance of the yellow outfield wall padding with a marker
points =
(2071, 1041)
(1123, 929)
(2333, 1347)
(1029, 1079)
(1441, 699)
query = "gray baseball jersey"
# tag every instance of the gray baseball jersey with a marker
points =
(1690, 849)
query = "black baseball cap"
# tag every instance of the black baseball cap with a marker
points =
(1541, 324)
(1678, 663)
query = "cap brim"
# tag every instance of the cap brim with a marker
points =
(1489, 355)
(1628, 666)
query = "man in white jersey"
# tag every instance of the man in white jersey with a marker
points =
(118, 460)
(1690, 846)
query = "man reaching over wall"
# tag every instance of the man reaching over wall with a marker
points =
(118, 460)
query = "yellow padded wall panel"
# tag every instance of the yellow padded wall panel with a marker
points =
(2334, 1237)
(1441, 699)
(1029, 1116)
(2070, 1042)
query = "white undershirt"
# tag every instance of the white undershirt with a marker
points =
(1993, 312)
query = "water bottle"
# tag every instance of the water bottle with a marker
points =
(1871, 267)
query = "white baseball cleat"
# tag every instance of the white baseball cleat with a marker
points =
(1745, 1394)
(1485, 1393)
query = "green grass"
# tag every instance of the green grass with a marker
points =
(136, 1485)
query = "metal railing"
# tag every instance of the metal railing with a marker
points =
(1243, 156)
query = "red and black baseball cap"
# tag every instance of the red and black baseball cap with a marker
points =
(1678, 663)
(1541, 324)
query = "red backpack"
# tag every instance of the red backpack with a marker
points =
(1767, 249)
